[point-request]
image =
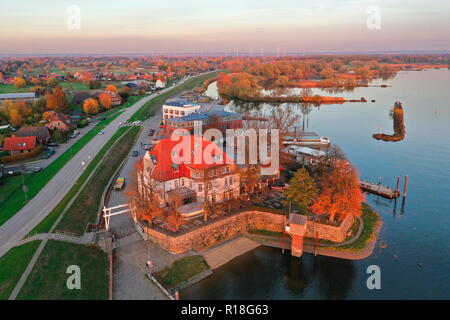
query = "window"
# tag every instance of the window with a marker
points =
(200, 187)
(226, 182)
(182, 182)
(230, 181)
(176, 184)
(225, 169)
(190, 184)
(209, 185)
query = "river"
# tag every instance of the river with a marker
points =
(416, 262)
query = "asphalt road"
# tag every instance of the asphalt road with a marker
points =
(43, 203)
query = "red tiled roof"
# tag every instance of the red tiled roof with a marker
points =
(166, 149)
(19, 143)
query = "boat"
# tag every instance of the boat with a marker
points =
(306, 139)
(305, 154)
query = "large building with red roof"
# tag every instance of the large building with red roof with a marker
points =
(184, 173)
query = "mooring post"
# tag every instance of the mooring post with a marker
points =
(405, 186)
(398, 185)
(317, 242)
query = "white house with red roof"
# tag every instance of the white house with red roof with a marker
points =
(183, 173)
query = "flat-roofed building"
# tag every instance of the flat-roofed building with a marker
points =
(26, 96)
(178, 108)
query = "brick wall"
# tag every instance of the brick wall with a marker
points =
(226, 228)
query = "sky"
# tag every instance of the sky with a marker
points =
(202, 26)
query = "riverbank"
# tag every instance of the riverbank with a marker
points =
(226, 251)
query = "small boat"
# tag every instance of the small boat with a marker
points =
(306, 139)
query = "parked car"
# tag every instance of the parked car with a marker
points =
(135, 153)
(53, 144)
(146, 146)
(151, 132)
(37, 169)
(101, 132)
(49, 153)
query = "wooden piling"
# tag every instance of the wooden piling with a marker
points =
(398, 184)
(405, 186)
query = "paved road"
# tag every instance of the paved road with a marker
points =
(59, 150)
(41, 205)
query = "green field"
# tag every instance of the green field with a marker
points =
(77, 217)
(12, 265)
(9, 88)
(48, 278)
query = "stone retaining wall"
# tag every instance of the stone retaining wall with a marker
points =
(228, 227)
(329, 232)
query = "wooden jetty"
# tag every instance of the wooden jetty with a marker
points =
(379, 189)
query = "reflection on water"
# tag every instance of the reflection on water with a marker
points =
(416, 262)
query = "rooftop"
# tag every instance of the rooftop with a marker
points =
(24, 95)
(181, 103)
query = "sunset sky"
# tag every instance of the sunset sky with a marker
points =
(146, 26)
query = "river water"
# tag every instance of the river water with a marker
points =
(416, 262)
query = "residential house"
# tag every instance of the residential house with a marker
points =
(59, 121)
(16, 145)
(41, 133)
(115, 98)
(185, 173)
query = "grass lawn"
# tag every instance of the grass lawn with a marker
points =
(78, 216)
(182, 270)
(370, 219)
(45, 225)
(48, 278)
(150, 107)
(75, 86)
(9, 88)
(12, 265)
(13, 195)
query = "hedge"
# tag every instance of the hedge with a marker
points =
(22, 156)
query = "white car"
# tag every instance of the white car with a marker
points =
(101, 132)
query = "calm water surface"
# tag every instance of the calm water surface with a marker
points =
(416, 262)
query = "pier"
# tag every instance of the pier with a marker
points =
(379, 189)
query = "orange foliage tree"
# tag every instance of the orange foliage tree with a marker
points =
(19, 82)
(111, 88)
(15, 118)
(341, 194)
(105, 100)
(91, 106)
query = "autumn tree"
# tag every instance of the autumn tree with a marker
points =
(15, 118)
(302, 189)
(141, 193)
(19, 82)
(250, 177)
(111, 88)
(105, 100)
(91, 106)
(341, 194)
(52, 82)
(57, 101)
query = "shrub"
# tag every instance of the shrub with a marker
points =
(22, 156)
